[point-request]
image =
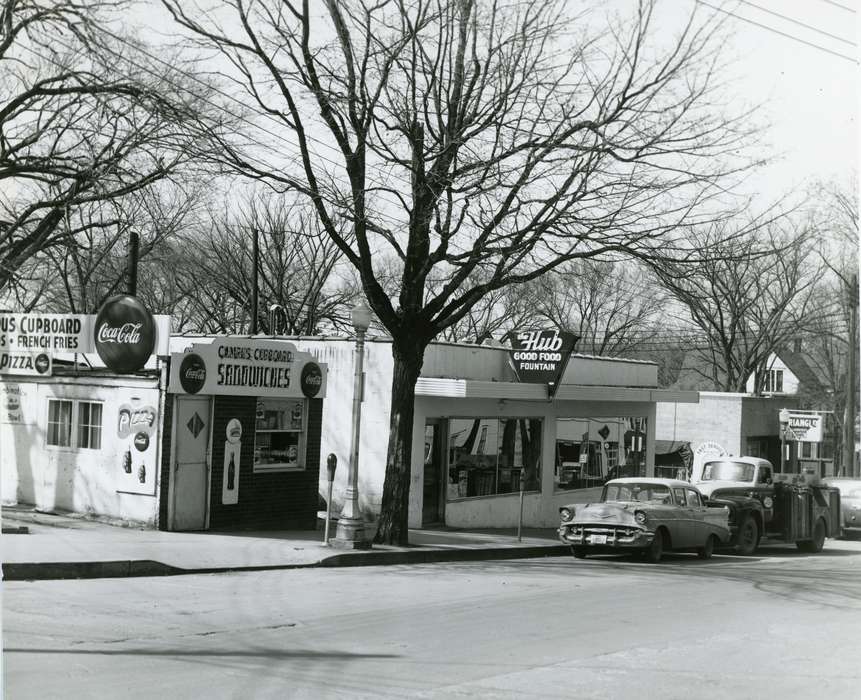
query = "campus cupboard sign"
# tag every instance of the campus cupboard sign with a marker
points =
(540, 357)
(247, 367)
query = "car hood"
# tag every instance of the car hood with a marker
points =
(708, 487)
(613, 512)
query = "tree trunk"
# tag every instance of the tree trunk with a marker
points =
(393, 524)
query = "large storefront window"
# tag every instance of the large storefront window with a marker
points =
(489, 456)
(279, 439)
(591, 451)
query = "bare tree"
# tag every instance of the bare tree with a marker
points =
(89, 265)
(612, 307)
(747, 303)
(483, 143)
(296, 270)
(74, 128)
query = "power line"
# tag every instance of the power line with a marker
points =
(798, 22)
(842, 7)
(777, 31)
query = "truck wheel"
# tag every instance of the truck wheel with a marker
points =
(706, 551)
(578, 552)
(814, 545)
(656, 550)
(748, 536)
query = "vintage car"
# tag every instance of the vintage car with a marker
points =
(850, 503)
(644, 515)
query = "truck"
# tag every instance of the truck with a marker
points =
(765, 506)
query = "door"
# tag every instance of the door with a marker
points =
(433, 493)
(190, 465)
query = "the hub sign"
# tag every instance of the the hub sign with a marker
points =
(540, 357)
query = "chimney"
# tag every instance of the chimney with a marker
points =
(796, 345)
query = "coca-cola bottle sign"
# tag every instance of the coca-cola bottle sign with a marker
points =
(124, 334)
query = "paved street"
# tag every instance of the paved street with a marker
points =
(782, 625)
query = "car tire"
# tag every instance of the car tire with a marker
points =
(815, 545)
(706, 551)
(748, 536)
(578, 552)
(655, 551)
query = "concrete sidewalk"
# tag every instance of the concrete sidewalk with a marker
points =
(38, 545)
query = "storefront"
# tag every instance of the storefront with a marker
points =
(242, 435)
(478, 432)
(81, 399)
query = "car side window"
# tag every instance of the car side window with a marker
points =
(679, 495)
(693, 498)
(765, 475)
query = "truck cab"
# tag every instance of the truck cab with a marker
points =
(782, 507)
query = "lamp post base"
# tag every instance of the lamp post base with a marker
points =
(350, 534)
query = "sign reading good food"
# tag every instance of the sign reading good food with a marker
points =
(540, 357)
(124, 334)
(247, 367)
(805, 427)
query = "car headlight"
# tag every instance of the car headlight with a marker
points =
(640, 517)
(565, 514)
(767, 502)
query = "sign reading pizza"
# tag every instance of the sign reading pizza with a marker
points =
(540, 357)
(123, 331)
(247, 367)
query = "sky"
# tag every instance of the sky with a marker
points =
(797, 58)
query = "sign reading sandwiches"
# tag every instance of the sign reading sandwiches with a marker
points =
(247, 367)
(540, 357)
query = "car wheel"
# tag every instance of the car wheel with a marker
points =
(656, 550)
(814, 545)
(748, 536)
(578, 552)
(706, 551)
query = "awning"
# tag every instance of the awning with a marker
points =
(673, 454)
(476, 389)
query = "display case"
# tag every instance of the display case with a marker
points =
(279, 441)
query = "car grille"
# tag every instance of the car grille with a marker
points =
(612, 531)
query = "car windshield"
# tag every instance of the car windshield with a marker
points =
(643, 493)
(728, 471)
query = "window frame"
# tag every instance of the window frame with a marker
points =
(74, 444)
(481, 441)
(302, 445)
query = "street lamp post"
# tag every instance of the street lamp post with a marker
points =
(783, 418)
(350, 533)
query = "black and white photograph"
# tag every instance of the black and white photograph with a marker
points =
(389, 349)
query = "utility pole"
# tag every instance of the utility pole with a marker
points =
(132, 264)
(255, 254)
(851, 381)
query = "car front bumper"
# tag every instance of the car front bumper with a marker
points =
(605, 537)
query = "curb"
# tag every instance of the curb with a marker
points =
(52, 571)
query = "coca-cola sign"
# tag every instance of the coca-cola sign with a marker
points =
(192, 373)
(540, 357)
(311, 379)
(124, 334)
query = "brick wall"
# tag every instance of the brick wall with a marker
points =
(164, 476)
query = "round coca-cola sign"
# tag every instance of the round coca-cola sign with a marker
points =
(311, 379)
(192, 373)
(124, 333)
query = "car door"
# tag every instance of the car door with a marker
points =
(680, 528)
(698, 518)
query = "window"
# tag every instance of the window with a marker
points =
(591, 451)
(60, 423)
(693, 498)
(63, 414)
(489, 456)
(772, 381)
(279, 437)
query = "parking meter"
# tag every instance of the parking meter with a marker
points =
(331, 466)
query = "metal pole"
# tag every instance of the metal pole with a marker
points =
(331, 465)
(520, 517)
(350, 532)
(132, 264)
(849, 413)
(255, 254)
